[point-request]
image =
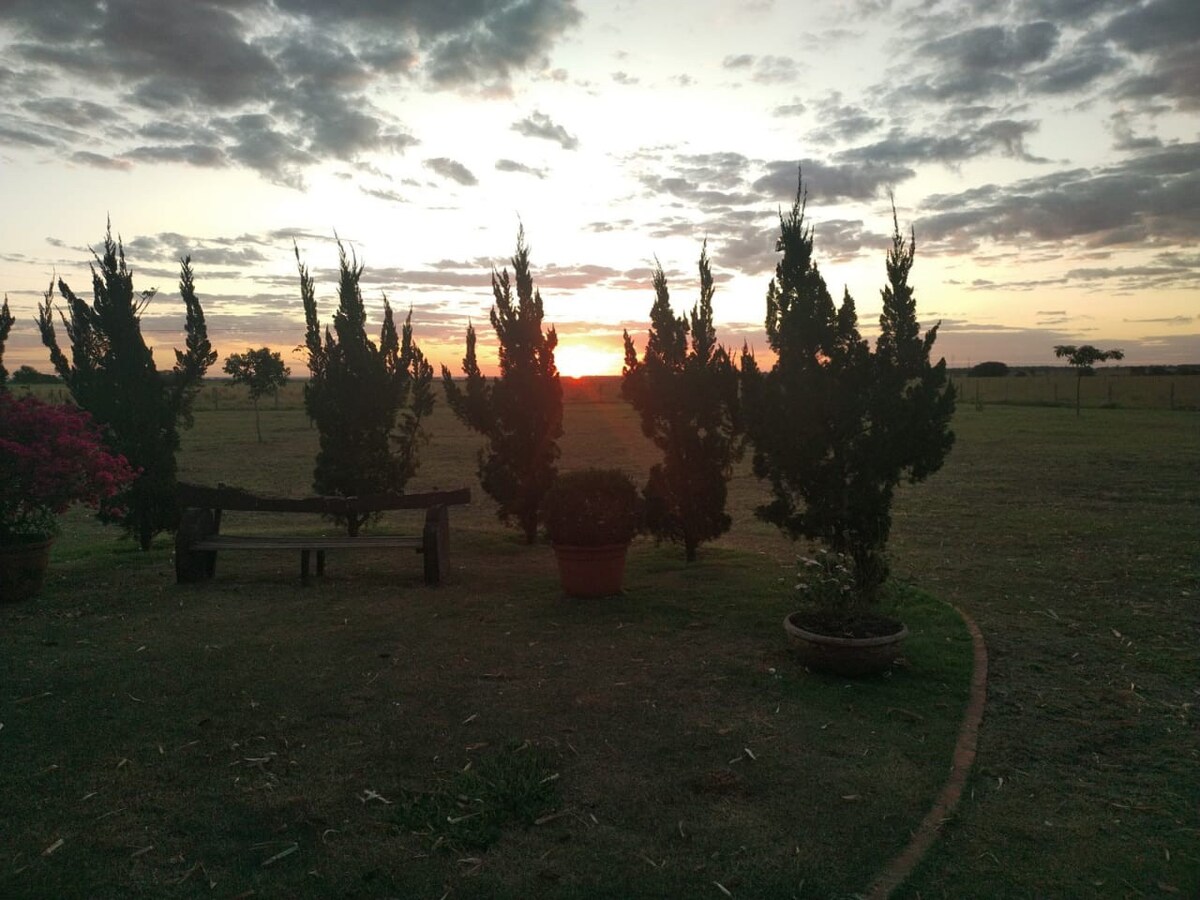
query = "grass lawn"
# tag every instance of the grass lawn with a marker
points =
(252, 734)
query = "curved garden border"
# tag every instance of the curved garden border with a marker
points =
(922, 839)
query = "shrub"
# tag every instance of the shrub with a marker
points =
(6, 324)
(591, 508)
(520, 412)
(112, 375)
(686, 392)
(50, 457)
(364, 398)
(834, 425)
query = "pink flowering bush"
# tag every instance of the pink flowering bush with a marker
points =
(50, 457)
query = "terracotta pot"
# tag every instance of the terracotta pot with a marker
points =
(591, 571)
(841, 655)
(23, 569)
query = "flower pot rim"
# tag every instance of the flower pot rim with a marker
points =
(27, 541)
(564, 545)
(833, 641)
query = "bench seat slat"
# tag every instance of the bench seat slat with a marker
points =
(315, 542)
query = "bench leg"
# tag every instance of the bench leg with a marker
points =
(435, 544)
(320, 563)
(304, 565)
(194, 565)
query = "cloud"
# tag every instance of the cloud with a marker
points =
(99, 161)
(764, 69)
(1171, 320)
(203, 155)
(270, 85)
(383, 194)
(1150, 198)
(831, 182)
(1005, 137)
(795, 108)
(540, 125)
(454, 171)
(510, 165)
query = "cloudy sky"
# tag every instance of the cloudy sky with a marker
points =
(1046, 152)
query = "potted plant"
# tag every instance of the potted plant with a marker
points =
(50, 457)
(591, 515)
(835, 629)
(837, 425)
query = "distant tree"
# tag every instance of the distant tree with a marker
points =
(1082, 359)
(262, 372)
(520, 412)
(687, 397)
(6, 324)
(368, 401)
(989, 369)
(835, 427)
(30, 375)
(112, 375)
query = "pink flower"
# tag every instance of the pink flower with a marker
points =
(50, 457)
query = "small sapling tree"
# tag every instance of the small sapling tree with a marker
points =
(6, 324)
(368, 401)
(111, 374)
(262, 371)
(520, 412)
(685, 388)
(1082, 359)
(835, 426)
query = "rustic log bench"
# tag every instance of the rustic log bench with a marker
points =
(198, 539)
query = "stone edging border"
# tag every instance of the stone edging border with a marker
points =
(922, 839)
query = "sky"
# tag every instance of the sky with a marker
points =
(1045, 153)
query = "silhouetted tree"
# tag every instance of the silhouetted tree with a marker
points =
(1082, 359)
(30, 375)
(262, 371)
(990, 369)
(368, 401)
(835, 427)
(6, 324)
(112, 375)
(687, 397)
(520, 412)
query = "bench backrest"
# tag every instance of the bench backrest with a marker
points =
(199, 496)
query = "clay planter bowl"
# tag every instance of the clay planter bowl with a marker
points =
(852, 657)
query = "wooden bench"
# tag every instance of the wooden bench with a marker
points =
(199, 537)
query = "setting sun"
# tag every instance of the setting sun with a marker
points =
(579, 360)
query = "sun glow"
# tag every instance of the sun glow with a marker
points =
(580, 360)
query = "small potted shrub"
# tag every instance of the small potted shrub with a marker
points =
(50, 457)
(591, 515)
(836, 629)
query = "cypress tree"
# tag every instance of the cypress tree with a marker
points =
(836, 426)
(685, 389)
(519, 412)
(6, 324)
(368, 401)
(111, 374)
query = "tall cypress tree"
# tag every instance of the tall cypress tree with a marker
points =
(368, 401)
(6, 324)
(685, 388)
(520, 412)
(111, 374)
(836, 426)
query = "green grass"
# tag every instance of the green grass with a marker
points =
(265, 736)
